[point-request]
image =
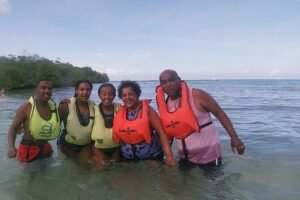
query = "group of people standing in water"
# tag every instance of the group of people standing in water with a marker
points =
(108, 131)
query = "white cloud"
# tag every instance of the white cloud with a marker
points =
(139, 56)
(245, 72)
(4, 7)
(275, 72)
(126, 73)
(113, 71)
(120, 72)
(292, 52)
(101, 54)
(135, 56)
(233, 43)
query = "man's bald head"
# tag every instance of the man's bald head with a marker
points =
(169, 72)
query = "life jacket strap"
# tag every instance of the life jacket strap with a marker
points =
(205, 125)
(185, 151)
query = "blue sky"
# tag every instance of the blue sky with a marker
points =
(136, 39)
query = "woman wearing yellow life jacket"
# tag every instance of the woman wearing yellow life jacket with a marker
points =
(77, 116)
(104, 148)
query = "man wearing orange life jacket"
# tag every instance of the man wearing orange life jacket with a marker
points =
(185, 115)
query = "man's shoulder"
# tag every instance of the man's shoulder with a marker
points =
(24, 110)
(25, 106)
(198, 91)
(200, 95)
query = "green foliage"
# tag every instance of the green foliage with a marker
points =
(18, 72)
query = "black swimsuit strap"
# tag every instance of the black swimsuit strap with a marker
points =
(108, 118)
(83, 121)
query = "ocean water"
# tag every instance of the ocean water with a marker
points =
(265, 114)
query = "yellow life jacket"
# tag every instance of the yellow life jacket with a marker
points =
(77, 133)
(42, 129)
(100, 134)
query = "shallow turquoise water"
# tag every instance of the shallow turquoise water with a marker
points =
(265, 114)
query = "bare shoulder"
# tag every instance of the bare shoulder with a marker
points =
(199, 94)
(24, 108)
(23, 112)
(203, 100)
(152, 113)
(151, 110)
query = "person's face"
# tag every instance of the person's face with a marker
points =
(106, 95)
(129, 98)
(44, 90)
(170, 83)
(83, 92)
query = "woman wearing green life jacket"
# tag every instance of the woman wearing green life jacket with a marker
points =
(103, 147)
(77, 116)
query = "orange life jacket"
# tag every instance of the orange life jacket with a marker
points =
(132, 131)
(182, 122)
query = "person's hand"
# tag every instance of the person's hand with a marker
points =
(237, 146)
(12, 152)
(65, 101)
(170, 161)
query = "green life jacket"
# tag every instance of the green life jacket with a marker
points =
(77, 133)
(41, 129)
(100, 134)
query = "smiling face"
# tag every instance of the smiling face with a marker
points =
(129, 98)
(170, 82)
(44, 90)
(83, 92)
(107, 95)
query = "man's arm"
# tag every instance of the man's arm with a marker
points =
(206, 103)
(18, 121)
